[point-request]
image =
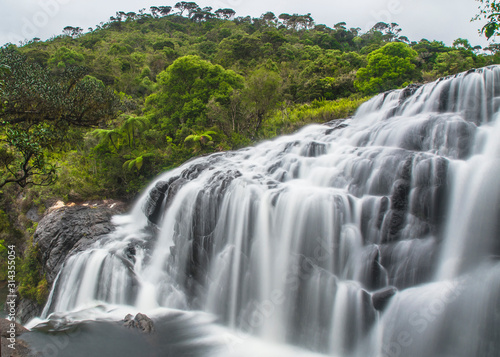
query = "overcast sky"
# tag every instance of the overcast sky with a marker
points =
(443, 20)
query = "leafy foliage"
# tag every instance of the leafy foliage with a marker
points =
(32, 284)
(35, 94)
(22, 155)
(186, 87)
(388, 67)
(39, 109)
(202, 139)
(4, 70)
(489, 10)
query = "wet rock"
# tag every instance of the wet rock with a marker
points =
(130, 253)
(64, 231)
(140, 321)
(152, 207)
(408, 92)
(27, 309)
(336, 124)
(381, 298)
(33, 215)
(314, 149)
(7, 333)
(289, 146)
(367, 311)
(400, 195)
(128, 321)
(392, 225)
(193, 171)
(375, 275)
(68, 230)
(383, 208)
(444, 97)
(6, 329)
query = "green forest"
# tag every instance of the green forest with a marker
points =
(98, 113)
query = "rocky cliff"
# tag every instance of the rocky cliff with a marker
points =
(63, 231)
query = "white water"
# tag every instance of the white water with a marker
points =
(288, 240)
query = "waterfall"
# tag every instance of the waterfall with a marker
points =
(376, 235)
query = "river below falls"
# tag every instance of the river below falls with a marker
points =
(177, 334)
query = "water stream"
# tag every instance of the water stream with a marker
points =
(372, 236)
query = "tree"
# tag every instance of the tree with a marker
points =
(165, 10)
(227, 14)
(4, 70)
(204, 14)
(391, 31)
(135, 160)
(269, 18)
(202, 138)
(186, 87)
(65, 57)
(72, 31)
(40, 108)
(340, 26)
(131, 125)
(106, 137)
(68, 30)
(462, 43)
(189, 6)
(493, 48)
(297, 21)
(452, 62)
(489, 10)
(155, 10)
(131, 16)
(121, 15)
(428, 52)
(230, 118)
(261, 95)
(388, 67)
(22, 155)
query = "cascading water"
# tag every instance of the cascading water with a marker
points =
(373, 236)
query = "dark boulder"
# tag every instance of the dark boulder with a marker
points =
(5, 328)
(314, 149)
(68, 230)
(400, 195)
(391, 226)
(63, 231)
(21, 347)
(336, 124)
(408, 92)
(163, 191)
(374, 274)
(140, 322)
(381, 298)
(27, 309)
